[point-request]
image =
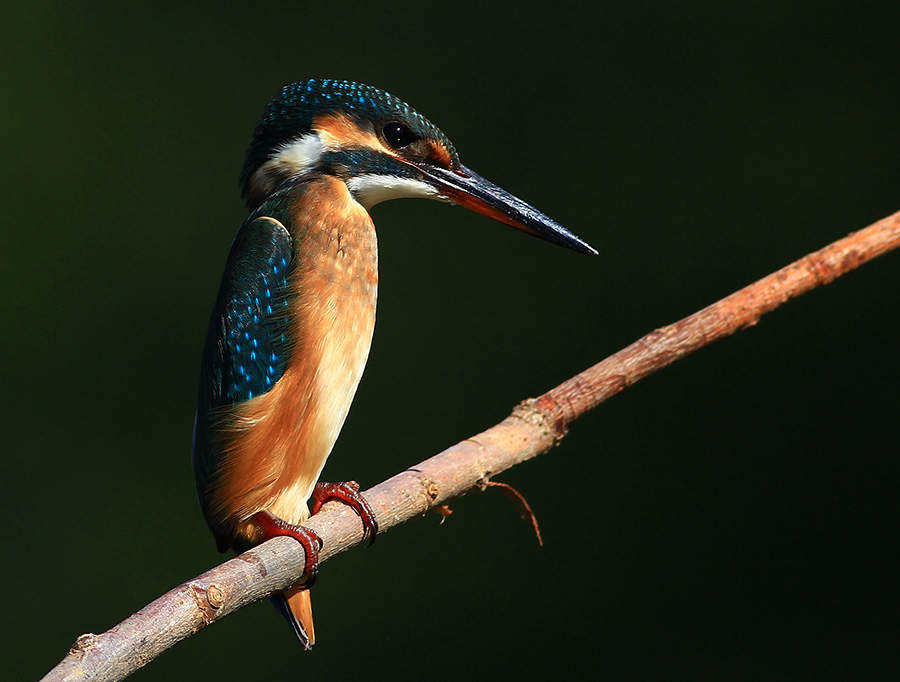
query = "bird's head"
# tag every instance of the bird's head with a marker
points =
(381, 148)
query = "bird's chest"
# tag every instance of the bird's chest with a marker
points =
(335, 280)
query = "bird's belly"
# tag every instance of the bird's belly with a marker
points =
(343, 348)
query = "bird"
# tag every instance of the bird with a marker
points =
(292, 323)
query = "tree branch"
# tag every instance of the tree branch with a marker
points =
(534, 427)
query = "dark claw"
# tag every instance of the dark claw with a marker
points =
(273, 527)
(348, 493)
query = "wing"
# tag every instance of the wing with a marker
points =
(247, 343)
(249, 337)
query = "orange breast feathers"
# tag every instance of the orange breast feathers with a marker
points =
(279, 441)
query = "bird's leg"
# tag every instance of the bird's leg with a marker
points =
(272, 527)
(348, 493)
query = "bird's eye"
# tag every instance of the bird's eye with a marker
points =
(397, 134)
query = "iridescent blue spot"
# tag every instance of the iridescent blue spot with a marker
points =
(255, 343)
(268, 309)
(253, 355)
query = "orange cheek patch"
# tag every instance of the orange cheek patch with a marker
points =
(339, 130)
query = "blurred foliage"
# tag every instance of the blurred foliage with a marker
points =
(734, 517)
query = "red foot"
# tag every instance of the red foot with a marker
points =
(348, 493)
(272, 527)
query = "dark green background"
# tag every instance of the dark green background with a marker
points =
(734, 517)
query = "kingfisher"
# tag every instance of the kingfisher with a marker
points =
(291, 327)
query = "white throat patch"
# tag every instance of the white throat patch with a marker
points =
(372, 189)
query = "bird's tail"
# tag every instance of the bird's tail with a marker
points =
(296, 607)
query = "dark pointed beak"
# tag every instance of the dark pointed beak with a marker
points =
(466, 188)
